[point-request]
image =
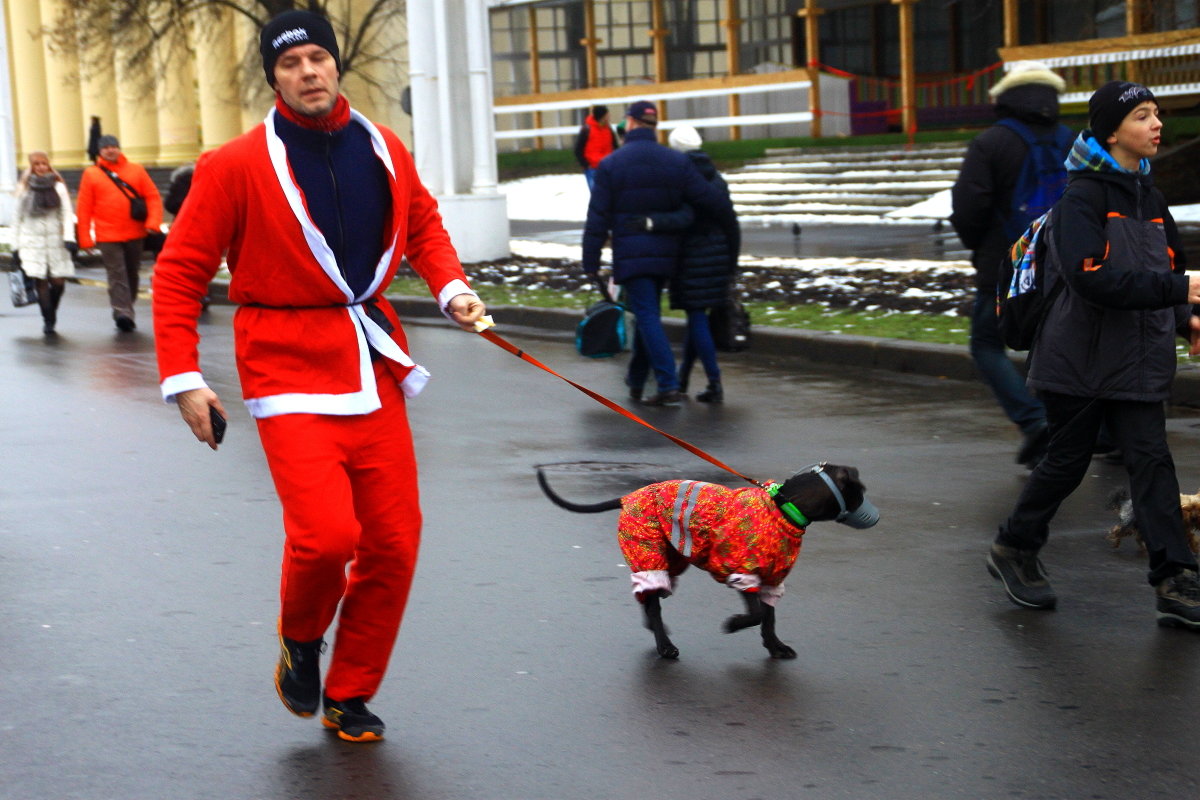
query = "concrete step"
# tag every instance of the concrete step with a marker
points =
(869, 152)
(847, 181)
(940, 177)
(814, 162)
(840, 187)
(889, 200)
(823, 209)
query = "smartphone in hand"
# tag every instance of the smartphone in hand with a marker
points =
(218, 424)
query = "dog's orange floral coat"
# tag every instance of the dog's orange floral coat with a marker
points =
(729, 531)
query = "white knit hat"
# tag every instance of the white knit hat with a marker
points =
(1024, 72)
(684, 138)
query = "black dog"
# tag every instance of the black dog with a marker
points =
(745, 538)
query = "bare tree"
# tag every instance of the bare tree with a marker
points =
(148, 32)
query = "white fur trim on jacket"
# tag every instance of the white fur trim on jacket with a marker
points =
(183, 382)
(743, 582)
(368, 331)
(771, 594)
(652, 580)
(1025, 72)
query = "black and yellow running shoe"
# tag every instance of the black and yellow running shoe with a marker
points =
(352, 721)
(298, 675)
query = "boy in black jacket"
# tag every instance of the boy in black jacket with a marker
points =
(1106, 353)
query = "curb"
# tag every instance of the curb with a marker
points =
(773, 345)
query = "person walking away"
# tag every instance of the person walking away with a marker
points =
(93, 145)
(45, 234)
(595, 140)
(118, 206)
(321, 355)
(1106, 353)
(707, 265)
(641, 179)
(1011, 174)
(178, 186)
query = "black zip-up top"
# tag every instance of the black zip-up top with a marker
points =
(1111, 332)
(346, 191)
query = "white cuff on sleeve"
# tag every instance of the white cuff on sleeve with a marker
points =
(449, 292)
(183, 382)
(743, 582)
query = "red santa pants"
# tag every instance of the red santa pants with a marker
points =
(348, 486)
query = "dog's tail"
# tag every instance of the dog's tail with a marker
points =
(582, 508)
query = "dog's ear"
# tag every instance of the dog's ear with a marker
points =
(846, 478)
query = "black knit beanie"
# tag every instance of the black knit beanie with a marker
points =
(1111, 103)
(293, 28)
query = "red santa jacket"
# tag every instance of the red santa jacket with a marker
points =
(300, 335)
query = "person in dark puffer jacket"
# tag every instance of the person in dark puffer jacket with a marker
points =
(1106, 353)
(982, 200)
(707, 264)
(638, 180)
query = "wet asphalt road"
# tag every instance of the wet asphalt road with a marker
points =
(138, 575)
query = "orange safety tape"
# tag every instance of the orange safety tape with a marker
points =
(504, 344)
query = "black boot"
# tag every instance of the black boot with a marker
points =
(713, 394)
(48, 306)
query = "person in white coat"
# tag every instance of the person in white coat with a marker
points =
(45, 234)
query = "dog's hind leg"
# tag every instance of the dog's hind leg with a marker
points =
(752, 617)
(652, 608)
(776, 648)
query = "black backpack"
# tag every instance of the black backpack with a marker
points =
(1029, 280)
(601, 332)
(1042, 178)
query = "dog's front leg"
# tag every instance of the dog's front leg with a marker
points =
(652, 607)
(776, 648)
(752, 617)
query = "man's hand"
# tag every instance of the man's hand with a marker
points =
(1194, 335)
(1194, 288)
(466, 309)
(193, 407)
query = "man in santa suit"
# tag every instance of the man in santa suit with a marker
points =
(313, 210)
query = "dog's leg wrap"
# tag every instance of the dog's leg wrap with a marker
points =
(653, 581)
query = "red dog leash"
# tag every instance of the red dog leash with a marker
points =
(504, 344)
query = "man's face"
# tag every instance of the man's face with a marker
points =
(306, 77)
(1140, 132)
(110, 153)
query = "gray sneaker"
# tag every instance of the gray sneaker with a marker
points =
(1178, 601)
(1023, 577)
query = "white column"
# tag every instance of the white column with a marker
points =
(67, 145)
(422, 74)
(483, 128)
(453, 127)
(8, 139)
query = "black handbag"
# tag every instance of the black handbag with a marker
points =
(137, 203)
(730, 326)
